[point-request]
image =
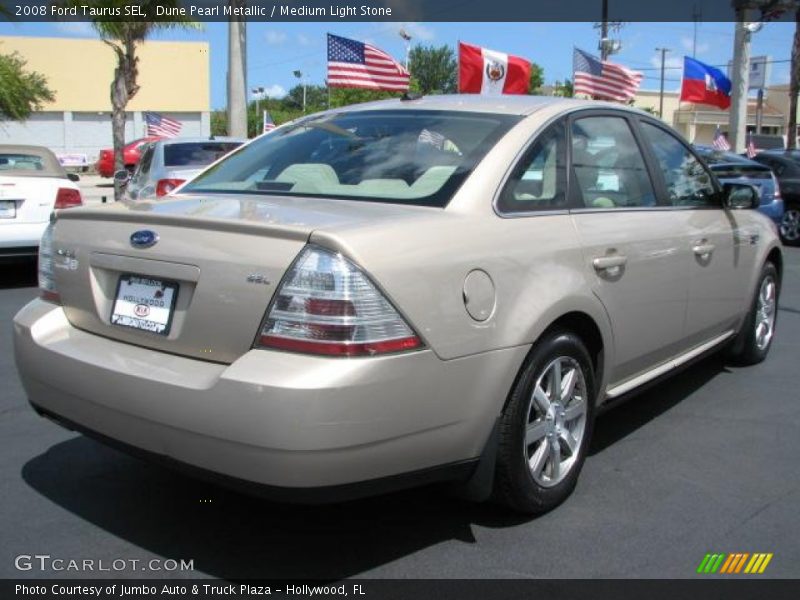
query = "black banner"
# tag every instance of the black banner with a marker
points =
(388, 10)
(386, 589)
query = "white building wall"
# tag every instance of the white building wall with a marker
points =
(89, 132)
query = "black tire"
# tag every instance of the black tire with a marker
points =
(790, 225)
(515, 485)
(746, 348)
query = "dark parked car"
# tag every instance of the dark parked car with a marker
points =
(733, 168)
(786, 166)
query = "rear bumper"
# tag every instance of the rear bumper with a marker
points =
(283, 421)
(21, 236)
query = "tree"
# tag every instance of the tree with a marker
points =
(435, 70)
(347, 96)
(564, 90)
(21, 91)
(124, 38)
(316, 98)
(537, 79)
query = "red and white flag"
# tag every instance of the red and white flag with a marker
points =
(603, 80)
(353, 64)
(484, 71)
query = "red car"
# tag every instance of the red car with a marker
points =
(130, 154)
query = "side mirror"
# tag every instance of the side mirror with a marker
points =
(73, 177)
(122, 177)
(740, 195)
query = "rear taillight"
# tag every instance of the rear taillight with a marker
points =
(327, 305)
(47, 282)
(68, 198)
(165, 186)
(777, 193)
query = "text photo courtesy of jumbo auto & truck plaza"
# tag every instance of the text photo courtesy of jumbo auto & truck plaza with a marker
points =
(396, 299)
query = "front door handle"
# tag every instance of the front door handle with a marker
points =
(703, 248)
(609, 263)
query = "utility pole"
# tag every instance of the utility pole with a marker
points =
(237, 78)
(301, 77)
(696, 14)
(604, 33)
(661, 93)
(740, 79)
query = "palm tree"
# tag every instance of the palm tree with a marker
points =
(123, 37)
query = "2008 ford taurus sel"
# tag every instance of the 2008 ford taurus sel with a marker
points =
(416, 290)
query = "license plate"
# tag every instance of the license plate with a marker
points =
(8, 209)
(144, 303)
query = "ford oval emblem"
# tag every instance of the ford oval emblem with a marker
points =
(144, 238)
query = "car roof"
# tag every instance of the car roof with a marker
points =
(721, 158)
(506, 104)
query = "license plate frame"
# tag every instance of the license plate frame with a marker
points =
(135, 321)
(8, 209)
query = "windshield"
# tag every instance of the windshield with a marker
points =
(195, 154)
(404, 156)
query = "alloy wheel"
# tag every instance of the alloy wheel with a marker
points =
(790, 225)
(765, 312)
(556, 421)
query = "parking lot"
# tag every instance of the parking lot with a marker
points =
(706, 462)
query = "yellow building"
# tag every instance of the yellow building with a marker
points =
(173, 79)
(699, 122)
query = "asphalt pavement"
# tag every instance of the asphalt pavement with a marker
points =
(706, 462)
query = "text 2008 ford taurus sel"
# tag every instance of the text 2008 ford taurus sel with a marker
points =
(435, 289)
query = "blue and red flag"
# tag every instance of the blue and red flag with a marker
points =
(704, 84)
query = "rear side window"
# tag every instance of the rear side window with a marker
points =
(196, 154)
(687, 180)
(608, 165)
(538, 182)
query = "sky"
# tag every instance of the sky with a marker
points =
(275, 50)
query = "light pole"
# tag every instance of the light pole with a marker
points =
(258, 93)
(407, 39)
(661, 94)
(299, 75)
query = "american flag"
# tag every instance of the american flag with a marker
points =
(720, 141)
(751, 147)
(161, 126)
(433, 138)
(352, 64)
(603, 79)
(269, 124)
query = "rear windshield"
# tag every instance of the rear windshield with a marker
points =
(196, 154)
(405, 156)
(21, 162)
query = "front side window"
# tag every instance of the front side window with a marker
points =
(403, 156)
(608, 165)
(687, 180)
(539, 180)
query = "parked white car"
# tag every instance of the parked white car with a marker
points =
(32, 184)
(167, 164)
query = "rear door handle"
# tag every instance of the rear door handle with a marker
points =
(607, 263)
(703, 248)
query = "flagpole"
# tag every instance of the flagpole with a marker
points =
(458, 69)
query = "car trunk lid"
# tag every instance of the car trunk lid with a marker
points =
(224, 256)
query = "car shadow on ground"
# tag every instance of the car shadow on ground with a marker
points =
(230, 535)
(18, 274)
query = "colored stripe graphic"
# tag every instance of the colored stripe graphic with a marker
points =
(730, 564)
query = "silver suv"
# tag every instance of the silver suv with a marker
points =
(401, 292)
